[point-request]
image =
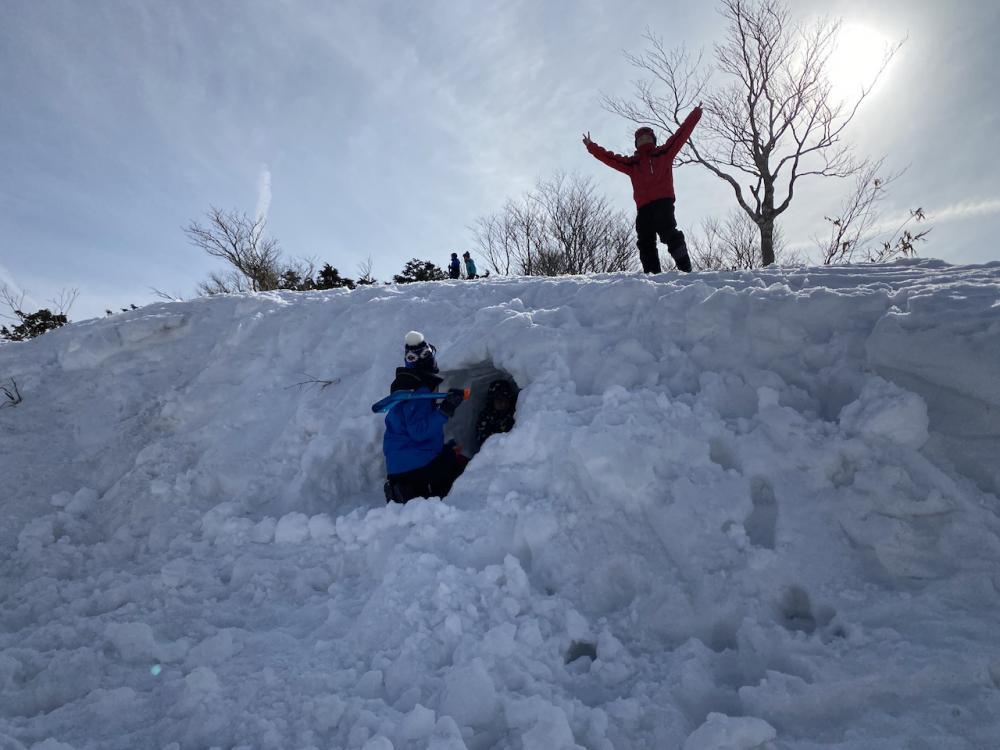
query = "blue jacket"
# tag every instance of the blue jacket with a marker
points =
(414, 432)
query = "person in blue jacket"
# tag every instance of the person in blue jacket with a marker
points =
(455, 267)
(417, 460)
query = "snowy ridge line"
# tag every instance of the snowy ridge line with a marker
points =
(741, 510)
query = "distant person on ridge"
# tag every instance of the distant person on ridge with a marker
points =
(470, 266)
(455, 267)
(417, 460)
(651, 170)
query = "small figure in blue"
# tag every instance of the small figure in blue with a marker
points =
(455, 267)
(470, 266)
(418, 461)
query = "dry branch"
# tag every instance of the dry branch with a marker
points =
(11, 394)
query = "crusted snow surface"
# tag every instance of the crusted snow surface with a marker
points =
(737, 510)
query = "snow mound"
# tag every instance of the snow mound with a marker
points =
(737, 510)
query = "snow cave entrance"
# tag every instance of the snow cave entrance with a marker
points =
(462, 427)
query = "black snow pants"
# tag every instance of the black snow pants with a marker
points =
(433, 480)
(657, 218)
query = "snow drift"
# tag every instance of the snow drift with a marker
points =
(738, 510)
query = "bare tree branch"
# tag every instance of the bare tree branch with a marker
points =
(562, 227)
(239, 240)
(733, 245)
(11, 394)
(165, 296)
(13, 302)
(855, 230)
(231, 282)
(323, 384)
(365, 277)
(63, 302)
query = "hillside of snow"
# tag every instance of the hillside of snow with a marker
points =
(738, 510)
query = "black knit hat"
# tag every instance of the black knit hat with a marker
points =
(501, 388)
(645, 130)
(419, 354)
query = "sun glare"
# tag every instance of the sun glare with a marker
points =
(857, 56)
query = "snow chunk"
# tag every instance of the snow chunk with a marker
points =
(201, 685)
(60, 500)
(469, 695)
(767, 397)
(417, 724)
(547, 727)
(38, 533)
(82, 501)
(133, 640)
(263, 531)
(721, 732)
(213, 650)
(322, 527)
(447, 736)
(886, 411)
(49, 744)
(370, 684)
(292, 528)
(327, 712)
(135, 643)
(500, 640)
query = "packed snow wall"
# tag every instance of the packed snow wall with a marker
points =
(735, 505)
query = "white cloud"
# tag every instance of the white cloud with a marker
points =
(7, 279)
(965, 210)
(969, 209)
(263, 192)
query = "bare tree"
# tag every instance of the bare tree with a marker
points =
(63, 302)
(30, 325)
(365, 277)
(512, 239)
(562, 227)
(13, 301)
(733, 244)
(228, 282)
(297, 275)
(240, 241)
(773, 120)
(903, 241)
(855, 230)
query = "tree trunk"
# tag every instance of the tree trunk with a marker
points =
(766, 225)
(766, 241)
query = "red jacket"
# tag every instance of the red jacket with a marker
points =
(650, 167)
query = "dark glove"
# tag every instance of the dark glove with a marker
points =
(452, 401)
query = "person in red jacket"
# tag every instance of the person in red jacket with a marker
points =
(651, 170)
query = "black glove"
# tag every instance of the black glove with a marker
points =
(452, 401)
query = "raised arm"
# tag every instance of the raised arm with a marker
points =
(676, 142)
(613, 160)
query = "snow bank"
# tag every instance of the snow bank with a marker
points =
(737, 510)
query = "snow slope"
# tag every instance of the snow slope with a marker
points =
(738, 510)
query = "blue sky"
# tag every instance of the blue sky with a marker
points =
(385, 129)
